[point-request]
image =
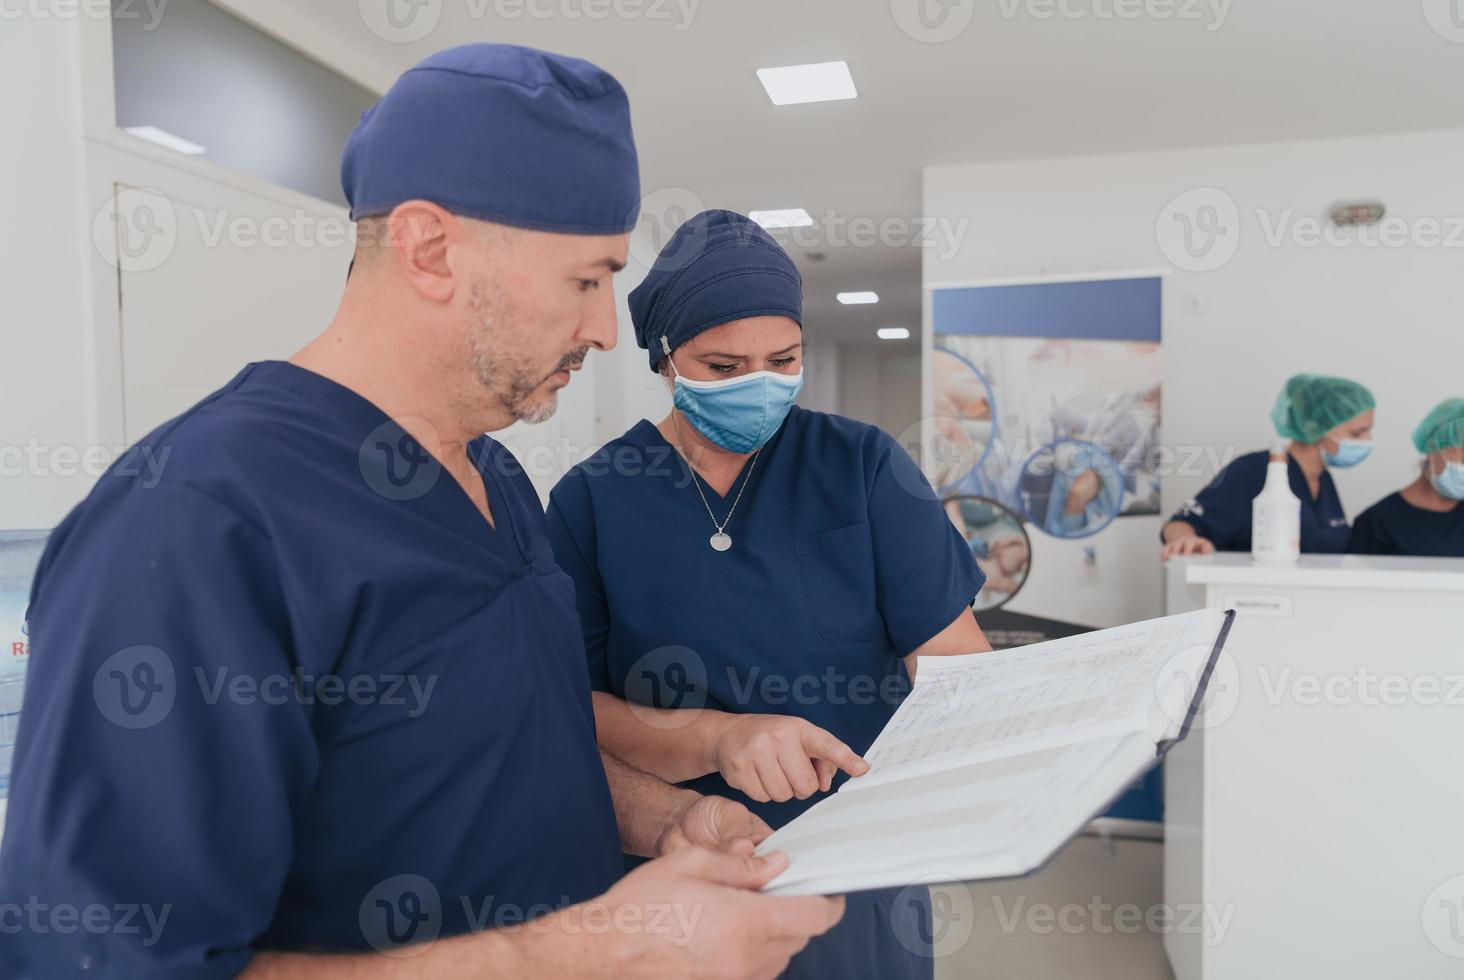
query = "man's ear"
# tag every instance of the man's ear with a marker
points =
(418, 235)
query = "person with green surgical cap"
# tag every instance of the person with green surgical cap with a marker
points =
(1329, 424)
(1424, 518)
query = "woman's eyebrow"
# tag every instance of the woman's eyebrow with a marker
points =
(742, 357)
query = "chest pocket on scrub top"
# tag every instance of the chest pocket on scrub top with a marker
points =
(836, 569)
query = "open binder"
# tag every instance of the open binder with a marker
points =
(996, 760)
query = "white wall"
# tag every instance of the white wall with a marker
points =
(881, 386)
(47, 409)
(1387, 316)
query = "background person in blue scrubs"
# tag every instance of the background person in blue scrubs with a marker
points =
(756, 580)
(313, 698)
(1425, 517)
(1329, 422)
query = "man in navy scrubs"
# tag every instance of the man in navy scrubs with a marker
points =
(315, 699)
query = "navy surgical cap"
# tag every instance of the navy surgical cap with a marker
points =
(503, 134)
(718, 267)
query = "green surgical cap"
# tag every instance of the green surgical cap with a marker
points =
(1311, 405)
(1442, 429)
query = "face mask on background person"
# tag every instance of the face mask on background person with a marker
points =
(1442, 431)
(1349, 452)
(1448, 481)
(739, 414)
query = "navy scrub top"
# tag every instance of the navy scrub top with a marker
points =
(1222, 511)
(297, 534)
(1393, 526)
(842, 562)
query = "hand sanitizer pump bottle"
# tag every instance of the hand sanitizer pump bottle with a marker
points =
(1276, 515)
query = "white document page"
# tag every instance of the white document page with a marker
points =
(996, 759)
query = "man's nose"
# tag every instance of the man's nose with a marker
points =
(600, 328)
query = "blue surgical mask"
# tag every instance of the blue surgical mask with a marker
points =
(739, 414)
(1449, 481)
(1349, 452)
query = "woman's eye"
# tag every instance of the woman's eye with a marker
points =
(722, 368)
(781, 362)
(585, 285)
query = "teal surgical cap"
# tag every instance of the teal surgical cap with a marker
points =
(1442, 429)
(1311, 405)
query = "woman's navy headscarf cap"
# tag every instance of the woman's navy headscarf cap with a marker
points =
(500, 133)
(718, 267)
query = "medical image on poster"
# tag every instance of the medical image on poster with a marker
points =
(1038, 423)
(998, 542)
(1071, 489)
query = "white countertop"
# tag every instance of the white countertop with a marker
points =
(1327, 572)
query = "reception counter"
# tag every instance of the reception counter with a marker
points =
(1314, 820)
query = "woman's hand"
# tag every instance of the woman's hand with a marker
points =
(779, 757)
(1190, 544)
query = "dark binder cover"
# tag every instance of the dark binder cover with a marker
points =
(1201, 687)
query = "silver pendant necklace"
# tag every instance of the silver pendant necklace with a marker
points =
(721, 540)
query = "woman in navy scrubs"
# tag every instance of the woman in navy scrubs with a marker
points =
(1329, 424)
(1425, 517)
(776, 568)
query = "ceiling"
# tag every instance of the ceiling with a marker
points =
(1018, 80)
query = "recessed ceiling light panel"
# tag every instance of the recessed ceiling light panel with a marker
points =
(827, 81)
(774, 219)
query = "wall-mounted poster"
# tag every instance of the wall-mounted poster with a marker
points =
(1046, 452)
